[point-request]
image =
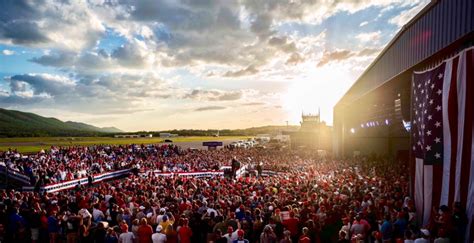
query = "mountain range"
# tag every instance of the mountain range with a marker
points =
(18, 124)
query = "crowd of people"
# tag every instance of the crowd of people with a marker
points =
(308, 199)
(67, 163)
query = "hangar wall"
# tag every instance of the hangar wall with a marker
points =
(440, 30)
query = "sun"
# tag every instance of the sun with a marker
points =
(319, 88)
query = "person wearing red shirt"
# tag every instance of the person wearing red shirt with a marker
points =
(144, 232)
(292, 225)
(304, 238)
(185, 233)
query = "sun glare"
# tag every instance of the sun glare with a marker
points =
(321, 88)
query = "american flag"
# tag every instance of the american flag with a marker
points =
(442, 147)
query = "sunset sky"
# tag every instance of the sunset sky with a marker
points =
(162, 64)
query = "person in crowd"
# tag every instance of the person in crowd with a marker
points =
(219, 237)
(442, 237)
(240, 237)
(343, 237)
(386, 229)
(185, 233)
(424, 236)
(159, 237)
(286, 237)
(292, 225)
(111, 236)
(171, 234)
(126, 236)
(268, 236)
(144, 232)
(304, 238)
(100, 232)
(53, 227)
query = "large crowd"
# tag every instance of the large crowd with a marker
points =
(308, 199)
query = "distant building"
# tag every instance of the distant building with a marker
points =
(167, 135)
(263, 138)
(313, 134)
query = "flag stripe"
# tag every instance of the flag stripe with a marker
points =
(427, 192)
(470, 197)
(419, 188)
(461, 94)
(444, 200)
(466, 160)
(437, 173)
(453, 120)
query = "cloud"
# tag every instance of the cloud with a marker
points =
(93, 94)
(405, 16)
(253, 104)
(334, 56)
(7, 52)
(213, 95)
(58, 24)
(60, 59)
(369, 37)
(294, 59)
(41, 84)
(363, 23)
(210, 108)
(341, 55)
(240, 35)
(369, 51)
(132, 55)
(250, 70)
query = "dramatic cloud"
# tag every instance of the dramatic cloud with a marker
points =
(210, 108)
(58, 24)
(146, 57)
(41, 84)
(107, 92)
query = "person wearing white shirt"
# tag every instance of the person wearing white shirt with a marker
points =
(425, 235)
(231, 235)
(126, 236)
(158, 237)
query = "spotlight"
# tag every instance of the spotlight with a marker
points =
(353, 130)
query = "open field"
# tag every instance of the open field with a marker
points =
(35, 144)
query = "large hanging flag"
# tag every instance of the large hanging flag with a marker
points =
(442, 110)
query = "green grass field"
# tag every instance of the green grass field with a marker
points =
(35, 144)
